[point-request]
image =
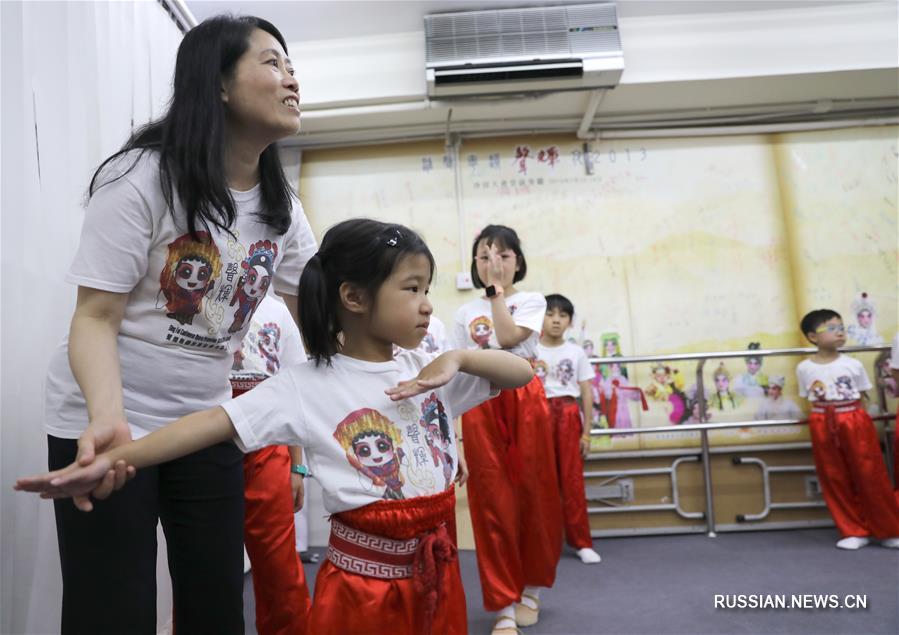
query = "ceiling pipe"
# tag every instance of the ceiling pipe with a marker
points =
(596, 98)
(183, 17)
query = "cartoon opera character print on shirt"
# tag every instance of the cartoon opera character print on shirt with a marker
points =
(269, 342)
(844, 387)
(480, 329)
(254, 281)
(437, 435)
(372, 445)
(541, 370)
(565, 371)
(191, 268)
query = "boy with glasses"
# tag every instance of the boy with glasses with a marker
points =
(848, 460)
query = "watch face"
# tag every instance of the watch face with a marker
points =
(491, 291)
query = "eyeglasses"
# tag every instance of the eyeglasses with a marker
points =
(831, 328)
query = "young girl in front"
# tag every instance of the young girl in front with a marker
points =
(362, 416)
(513, 494)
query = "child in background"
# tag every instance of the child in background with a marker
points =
(357, 410)
(273, 479)
(567, 378)
(847, 454)
(513, 494)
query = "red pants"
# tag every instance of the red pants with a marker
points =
(852, 473)
(566, 418)
(279, 584)
(352, 603)
(513, 493)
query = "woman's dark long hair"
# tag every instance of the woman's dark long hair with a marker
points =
(190, 137)
(360, 251)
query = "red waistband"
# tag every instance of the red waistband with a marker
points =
(564, 399)
(370, 555)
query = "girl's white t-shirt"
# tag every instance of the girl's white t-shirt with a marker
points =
(473, 323)
(560, 368)
(190, 303)
(272, 342)
(359, 445)
(840, 380)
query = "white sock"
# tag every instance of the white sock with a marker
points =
(505, 618)
(588, 556)
(533, 592)
(890, 543)
(853, 542)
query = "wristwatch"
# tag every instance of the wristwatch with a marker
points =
(493, 290)
(302, 470)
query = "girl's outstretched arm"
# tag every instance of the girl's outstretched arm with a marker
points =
(501, 369)
(186, 435)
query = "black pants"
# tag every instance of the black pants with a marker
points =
(108, 556)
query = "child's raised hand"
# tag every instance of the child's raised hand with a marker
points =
(494, 265)
(99, 479)
(438, 373)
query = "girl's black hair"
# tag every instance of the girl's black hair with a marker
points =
(360, 251)
(814, 319)
(190, 136)
(502, 236)
(559, 301)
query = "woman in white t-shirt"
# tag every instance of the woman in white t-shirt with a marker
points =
(186, 229)
(362, 414)
(513, 491)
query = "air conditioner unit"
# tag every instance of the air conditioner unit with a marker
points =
(533, 50)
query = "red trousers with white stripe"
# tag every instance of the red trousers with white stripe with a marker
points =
(568, 430)
(852, 473)
(513, 493)
(279, 584)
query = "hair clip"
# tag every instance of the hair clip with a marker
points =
(393, 237)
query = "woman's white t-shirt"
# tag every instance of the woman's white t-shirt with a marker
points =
(561, 368)
(361, 446)
(840, 380)
(190, 303)
(473, 328)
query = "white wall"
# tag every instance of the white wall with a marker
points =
(75, 77)
(389, 67)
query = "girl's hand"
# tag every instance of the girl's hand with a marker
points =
(462, 474)
(437, 373)
(297, 491)
(99, 479)
(494, 266)
(585, 447)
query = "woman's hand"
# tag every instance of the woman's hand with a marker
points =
(100, 436)
(100, 479)
(438, 373)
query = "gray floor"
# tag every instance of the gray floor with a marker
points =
(667, 585)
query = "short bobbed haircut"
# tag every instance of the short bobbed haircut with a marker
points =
(501, 236)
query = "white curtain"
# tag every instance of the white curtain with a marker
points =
(77, 77)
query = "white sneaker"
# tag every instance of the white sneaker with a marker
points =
(853, 542)
(890, 543)
(588, 556)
